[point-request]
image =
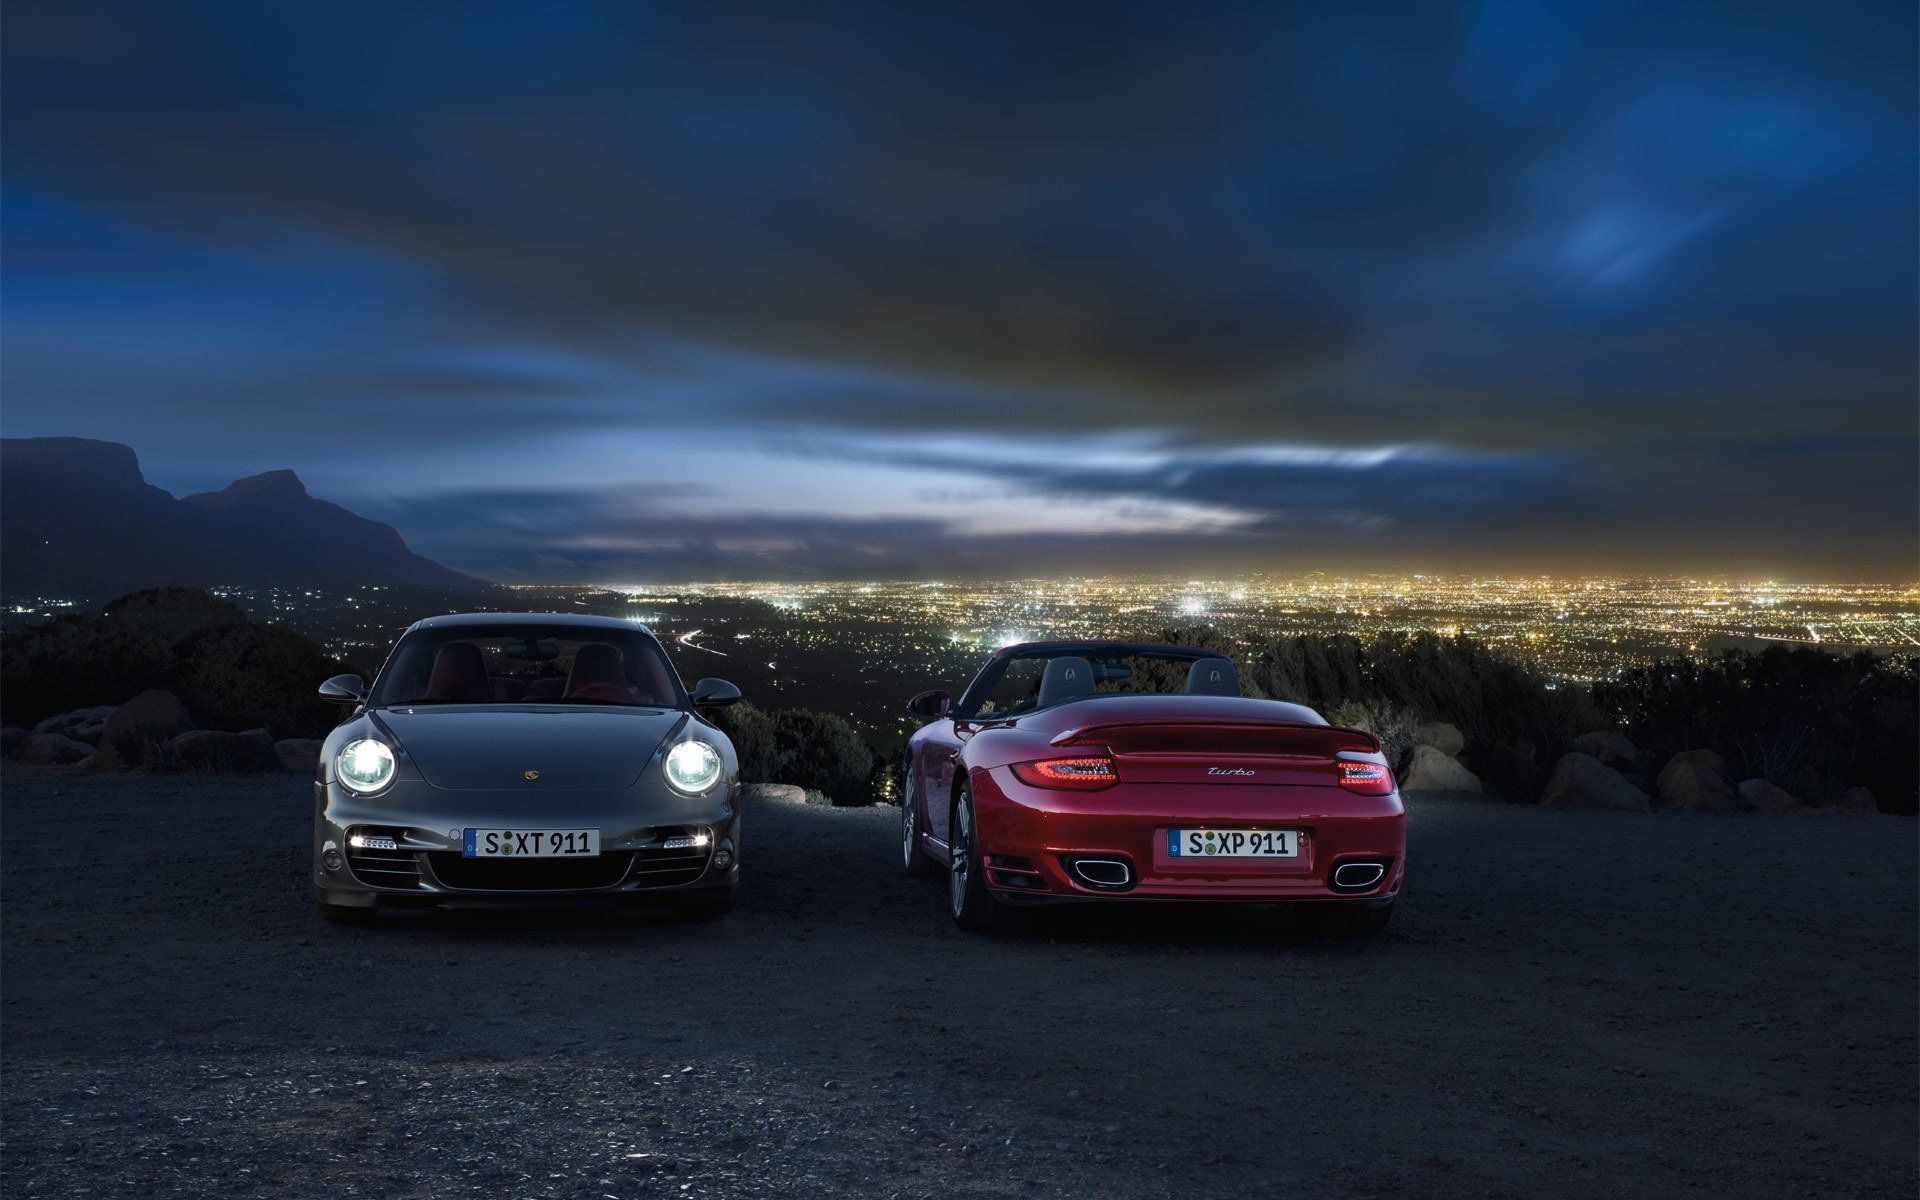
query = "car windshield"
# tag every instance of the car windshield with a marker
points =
(1016, 689)
(470, 664)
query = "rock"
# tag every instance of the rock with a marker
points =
(82, 724)
(784, 793)
(1440, 735)
(213, 750)
(1510, 769)
(1691, 784)
(298, 754)
(10, 737)
(1609, 747)
(1706, 758)
(1583, 781)
(1857, 799)
(49, 748)
(1432, 769)
(151, 717)
(1757, 795)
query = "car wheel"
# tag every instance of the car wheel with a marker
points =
(707, 905)
(972, 905)
(341, 914)
(913, 859)
(1349, 920)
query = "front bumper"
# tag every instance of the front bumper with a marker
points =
(1030, 839)
(416, 832)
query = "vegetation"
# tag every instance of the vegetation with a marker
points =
(1515, 720)
(819, 751)
(231, 671)
(1810, 722)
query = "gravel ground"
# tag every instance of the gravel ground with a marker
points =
(1569, 1004)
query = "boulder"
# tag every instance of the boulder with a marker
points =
(1583, 781)
(1434, 770)
(1693, 785)
(1706, 758)
(298, 754)
(45, 748)
(82, 724)
(10, 737)
(1609, 747)
(214, 750)
(1441, 736)
(783, 793)
(1757, 795)
(1857, 799)
(1510, 769)
(151, 717)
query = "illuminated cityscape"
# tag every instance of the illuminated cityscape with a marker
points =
(862, 648)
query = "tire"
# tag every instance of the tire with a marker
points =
(972, 905)
(914, 859)
(1349, 920)
(707, 906)
(341, 914)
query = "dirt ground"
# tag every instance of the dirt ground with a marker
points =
(1568, 1004)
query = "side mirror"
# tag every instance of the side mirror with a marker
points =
(714, 693)
(344, 689)
(930, 706)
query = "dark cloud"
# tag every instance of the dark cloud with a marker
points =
(1532, 238)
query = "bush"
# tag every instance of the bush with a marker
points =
(1810, 722)
(818, 751)
(230, 671)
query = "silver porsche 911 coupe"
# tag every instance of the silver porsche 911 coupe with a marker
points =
(520, 757)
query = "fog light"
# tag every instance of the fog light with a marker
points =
(722, 859)
(330, 860)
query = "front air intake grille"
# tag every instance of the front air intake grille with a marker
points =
(657, 867)
(383, 864)
(588, 873)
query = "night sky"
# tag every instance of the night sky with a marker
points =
(626, 292)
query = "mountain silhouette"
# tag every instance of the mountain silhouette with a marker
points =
(79, 520)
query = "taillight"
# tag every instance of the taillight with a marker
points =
(1364, 772)
(1085, 774)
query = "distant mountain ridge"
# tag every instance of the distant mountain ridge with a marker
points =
(78, 519)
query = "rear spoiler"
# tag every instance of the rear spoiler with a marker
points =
(1357, 739)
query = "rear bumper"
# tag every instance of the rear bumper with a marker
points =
(1032, 837)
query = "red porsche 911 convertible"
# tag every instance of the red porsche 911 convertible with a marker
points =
(1114, 771)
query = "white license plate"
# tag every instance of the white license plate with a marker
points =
(530, 843)
(1233, 843)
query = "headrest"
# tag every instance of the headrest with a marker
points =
(596, 663)
(1212, 677)
(459, 673)
(1065, 679)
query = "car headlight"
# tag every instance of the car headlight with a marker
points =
(692, 767)
(364, 765)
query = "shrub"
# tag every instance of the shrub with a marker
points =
(1810, 722)
(230, 671)
(819, 751)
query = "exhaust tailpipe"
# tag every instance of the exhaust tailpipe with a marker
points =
(1358, 876)
(1107, 874)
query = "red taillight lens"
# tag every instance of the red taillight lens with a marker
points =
(1365, 774)
(1085, 774)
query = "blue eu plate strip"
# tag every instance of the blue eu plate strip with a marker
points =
(469, 848)
(1173, 843)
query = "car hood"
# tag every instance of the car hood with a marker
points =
(528, 747)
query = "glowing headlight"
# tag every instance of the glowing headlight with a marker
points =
(693, 767)
(365, 765)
